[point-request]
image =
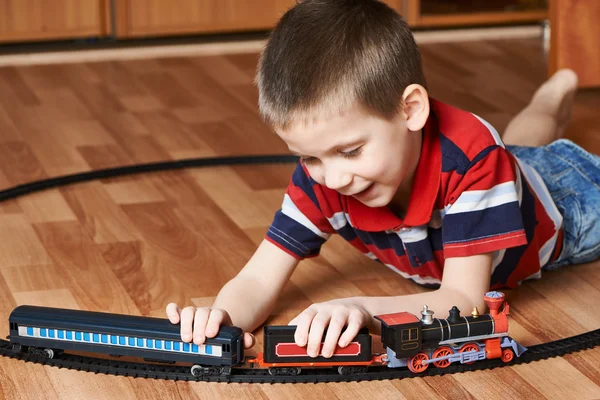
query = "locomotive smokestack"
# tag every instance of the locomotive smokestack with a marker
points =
(454, 315)
(494, 300)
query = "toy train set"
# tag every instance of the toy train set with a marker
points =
(408, 341)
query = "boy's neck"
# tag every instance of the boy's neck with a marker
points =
(399, 203)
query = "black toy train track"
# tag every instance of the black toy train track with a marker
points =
(248, 375)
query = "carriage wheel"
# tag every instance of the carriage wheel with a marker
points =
(415, 363)
(197, 370)
(468, 348)
(507, 355)
(442, 352)
(349, 370)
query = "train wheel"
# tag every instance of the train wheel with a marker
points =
(48, 353)
(17, 348)
(507, 355)
(349, 370)
(289, 371)
(442, 352)
(415, 363)
(197, 370)
(468, 348)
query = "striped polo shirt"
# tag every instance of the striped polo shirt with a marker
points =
(469, 196)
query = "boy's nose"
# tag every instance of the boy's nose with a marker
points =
(336, 180)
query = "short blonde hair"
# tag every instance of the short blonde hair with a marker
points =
(325, 55)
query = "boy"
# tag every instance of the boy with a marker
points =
(429, 190)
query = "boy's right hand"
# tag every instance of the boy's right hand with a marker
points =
(198, 323)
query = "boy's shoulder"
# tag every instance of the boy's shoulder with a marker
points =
(461, 130)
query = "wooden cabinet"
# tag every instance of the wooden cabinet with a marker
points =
(24, 20)
(440, 13)
(136, 18)
(575, 44)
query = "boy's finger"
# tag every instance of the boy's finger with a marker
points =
(315, 336)
(200, 318)
(187, 319)
(215, 319)
(303, 322)
(173, 311)
(249, 340)
(333, 333)
(354, 325)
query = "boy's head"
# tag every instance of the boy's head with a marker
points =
(337, 76)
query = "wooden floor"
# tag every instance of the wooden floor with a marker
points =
(132, 245)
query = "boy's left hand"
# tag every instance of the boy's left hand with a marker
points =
(333, 315)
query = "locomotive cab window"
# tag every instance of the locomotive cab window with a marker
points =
(410, 334)
(226, 348)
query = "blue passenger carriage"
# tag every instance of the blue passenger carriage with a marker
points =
(51, 330)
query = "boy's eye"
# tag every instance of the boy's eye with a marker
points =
(351, 153)
(308, 160)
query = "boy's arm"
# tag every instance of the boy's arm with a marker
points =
(464, 283)
(251, 295)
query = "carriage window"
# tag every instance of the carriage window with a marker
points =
(159, 344)
(410, 334)
(226, 348)
(168, 345)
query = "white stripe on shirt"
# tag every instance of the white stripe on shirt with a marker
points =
(492, 130)
(291, 210)
(475, 200)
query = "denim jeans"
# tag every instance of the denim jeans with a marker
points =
(572, 176)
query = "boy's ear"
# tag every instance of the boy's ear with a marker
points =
(416, 107)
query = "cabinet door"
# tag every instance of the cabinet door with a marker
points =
(56, 19)
(137, 18)
(575, 39)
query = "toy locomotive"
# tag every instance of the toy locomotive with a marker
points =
(409, 341)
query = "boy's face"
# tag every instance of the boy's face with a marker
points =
(358, 154)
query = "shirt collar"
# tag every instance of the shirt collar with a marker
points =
(422, 196)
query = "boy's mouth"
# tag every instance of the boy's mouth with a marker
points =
(364, 192)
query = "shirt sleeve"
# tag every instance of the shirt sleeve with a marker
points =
(482, 212)
(300, 228)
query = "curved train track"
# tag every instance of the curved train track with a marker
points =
(248, 375)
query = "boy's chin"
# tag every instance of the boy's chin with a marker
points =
(376, 202)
